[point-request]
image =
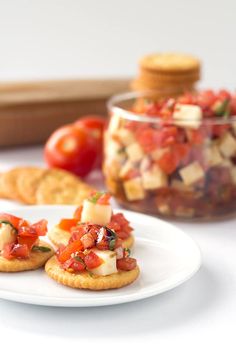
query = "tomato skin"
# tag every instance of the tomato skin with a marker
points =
(126, 263)
(92, 260)
(65, 254)
(67, 224)
(96, 125)
(41, 227)
(168, 162)
(71, 148)
(14, 220)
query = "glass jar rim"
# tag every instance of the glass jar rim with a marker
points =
(112, 106)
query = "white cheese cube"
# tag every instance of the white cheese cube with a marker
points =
(125, 136)
(114, 123)
(7, 235)
(192, 173)
(96, 213)
(227, 145)
(109, 263)
(154, 178)
(134, 189)
(212, 156)
(158, 153)
(134, 152)
(187, 115)
(233, 174)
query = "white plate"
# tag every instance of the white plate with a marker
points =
(166, 255)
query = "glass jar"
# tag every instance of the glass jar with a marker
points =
(171, 167)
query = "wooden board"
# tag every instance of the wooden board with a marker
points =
(30, 111)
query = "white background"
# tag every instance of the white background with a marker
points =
(69, 38)
(87, 38)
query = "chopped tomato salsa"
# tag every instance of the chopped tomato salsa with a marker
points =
(163, 162)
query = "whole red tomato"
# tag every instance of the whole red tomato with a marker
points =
(72, 148)
(96, 126)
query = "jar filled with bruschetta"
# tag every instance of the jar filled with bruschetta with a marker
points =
(173, 156)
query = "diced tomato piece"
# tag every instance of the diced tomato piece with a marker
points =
(37, 229)
(28, 241)
(92, 260)
(14, 220)
(224, 95)
(149, 139)
(78, 212)
(182, 150)
(6, 252)
(196, 136)
(18, 251)
(123, 235)
(27, 231)
(104, 199)
(66, 253)
(67, 224)
(219, 129)
(126, 264)
(75, 264)
(41, 227)
(87, 241)
(168, 162)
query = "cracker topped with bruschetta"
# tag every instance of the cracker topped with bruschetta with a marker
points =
(96, 255)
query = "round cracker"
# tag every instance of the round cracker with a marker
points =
(59, 187)
(170, 63)
(36, 260)
(28, 182)
(84, 280)
(61, 237)
(8, 183)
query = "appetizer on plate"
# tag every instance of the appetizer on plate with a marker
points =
(97, 210)
(20, 246)
(93, 259)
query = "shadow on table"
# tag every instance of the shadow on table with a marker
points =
(174, 308)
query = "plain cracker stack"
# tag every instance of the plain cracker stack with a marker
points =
(172, 73)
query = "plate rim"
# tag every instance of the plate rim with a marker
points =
(41, 300)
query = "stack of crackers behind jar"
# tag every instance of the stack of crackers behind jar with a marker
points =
(170, 73)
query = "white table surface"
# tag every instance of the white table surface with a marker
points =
(197, 317)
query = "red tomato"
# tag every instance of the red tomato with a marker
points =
(66, 252)
(96, 126)
(18, 251)
(71, 148)
(28, 241)
(87, 241)
(40, 227)
(92, 260)
(67, 224)
(6, 252)
(14, 220)
(74, 264)
(104, 199)
(168, 162)
(126, 263)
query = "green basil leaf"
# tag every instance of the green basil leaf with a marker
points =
(94, 198)
(128, 251)
(79, 259)
(111, 237)
(41, 248)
